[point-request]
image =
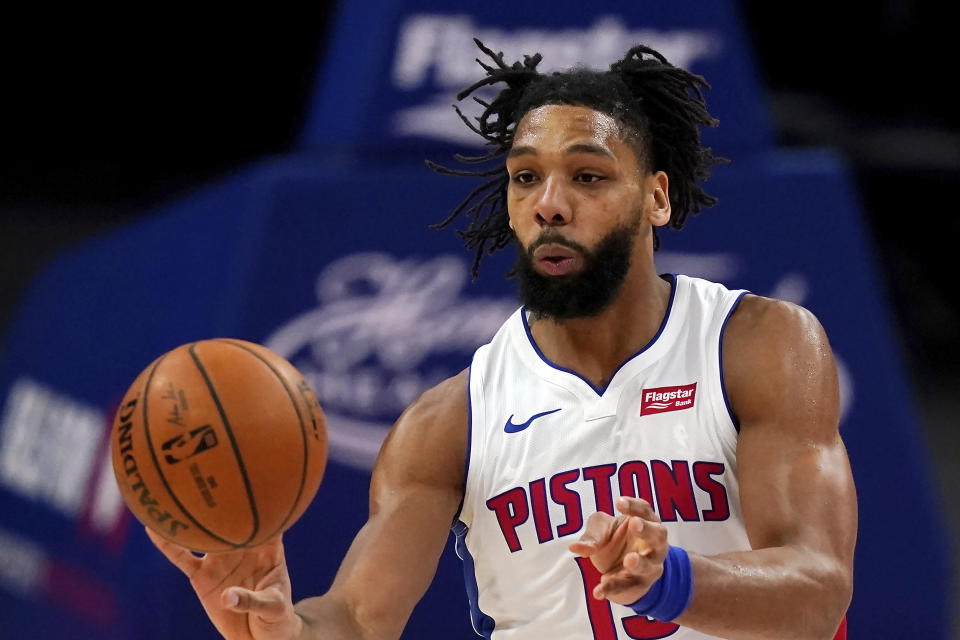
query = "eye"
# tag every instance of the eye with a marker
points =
(588, 178)
(523, 177)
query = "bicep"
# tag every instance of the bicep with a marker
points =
(796, 488)
(797, 494)
(414, 494)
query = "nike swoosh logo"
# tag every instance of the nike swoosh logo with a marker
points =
(512, 427)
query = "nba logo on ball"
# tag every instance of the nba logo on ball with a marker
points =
(186, 446)
(219, 445)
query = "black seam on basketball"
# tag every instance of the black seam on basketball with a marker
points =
(233, 443)
(303, 429)
(156, 463)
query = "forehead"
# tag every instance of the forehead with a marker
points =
(567, 128)
(556, 126)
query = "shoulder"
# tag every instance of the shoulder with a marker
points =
(774, 322)
(776, 357)
(764, 325)
(444, 403)
(428, 443)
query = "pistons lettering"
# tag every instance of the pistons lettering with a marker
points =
(677, 490)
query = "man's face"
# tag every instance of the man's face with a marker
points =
(578, 199)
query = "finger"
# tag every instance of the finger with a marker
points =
(613, 584)
(633, 559)
(643, 571)
(636, 507)
(607, 556)
(582, 548)
(638, 553)
(599, 527)
(269, 604)
(650, 539)
(640, 546)
(181, 558)
(636, 561)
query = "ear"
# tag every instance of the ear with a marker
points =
(658, 199)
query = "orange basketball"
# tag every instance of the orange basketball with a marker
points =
(219, 445)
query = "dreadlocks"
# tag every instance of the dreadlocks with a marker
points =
(659, 107)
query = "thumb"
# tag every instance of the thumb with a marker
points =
(269, 604)
(582, 548)
(600, 527)
(586, 546)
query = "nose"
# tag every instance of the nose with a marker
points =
(553, 206)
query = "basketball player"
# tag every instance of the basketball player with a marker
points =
(632, 451)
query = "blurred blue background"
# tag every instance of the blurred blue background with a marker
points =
(258, 177)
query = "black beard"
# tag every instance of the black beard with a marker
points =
(579, 295)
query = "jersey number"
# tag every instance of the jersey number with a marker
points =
(601, 615)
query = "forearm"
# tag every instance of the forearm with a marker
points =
(780, 592)
(383, 575)
(331, 616)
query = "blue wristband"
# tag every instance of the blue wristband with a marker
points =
(669, 596)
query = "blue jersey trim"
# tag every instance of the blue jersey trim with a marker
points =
(601, 391)
(483, 624)
(466, 466)
(723, 385)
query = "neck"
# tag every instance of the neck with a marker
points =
(597, 346)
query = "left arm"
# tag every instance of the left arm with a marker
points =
(796, 492)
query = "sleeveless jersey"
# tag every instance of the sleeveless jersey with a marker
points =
(547, 449)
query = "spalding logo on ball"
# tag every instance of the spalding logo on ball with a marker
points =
(219, 445)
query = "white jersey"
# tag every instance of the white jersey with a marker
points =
(547, 449)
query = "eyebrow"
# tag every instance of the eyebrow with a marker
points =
(574, 148)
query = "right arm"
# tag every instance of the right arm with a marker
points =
(415, 491)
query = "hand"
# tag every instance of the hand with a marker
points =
(246, 593)
(628, 550)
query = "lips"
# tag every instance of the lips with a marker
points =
(556, 260)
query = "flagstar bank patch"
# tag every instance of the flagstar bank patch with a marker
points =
(664, 399)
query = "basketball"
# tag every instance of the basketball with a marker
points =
(219, 445)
